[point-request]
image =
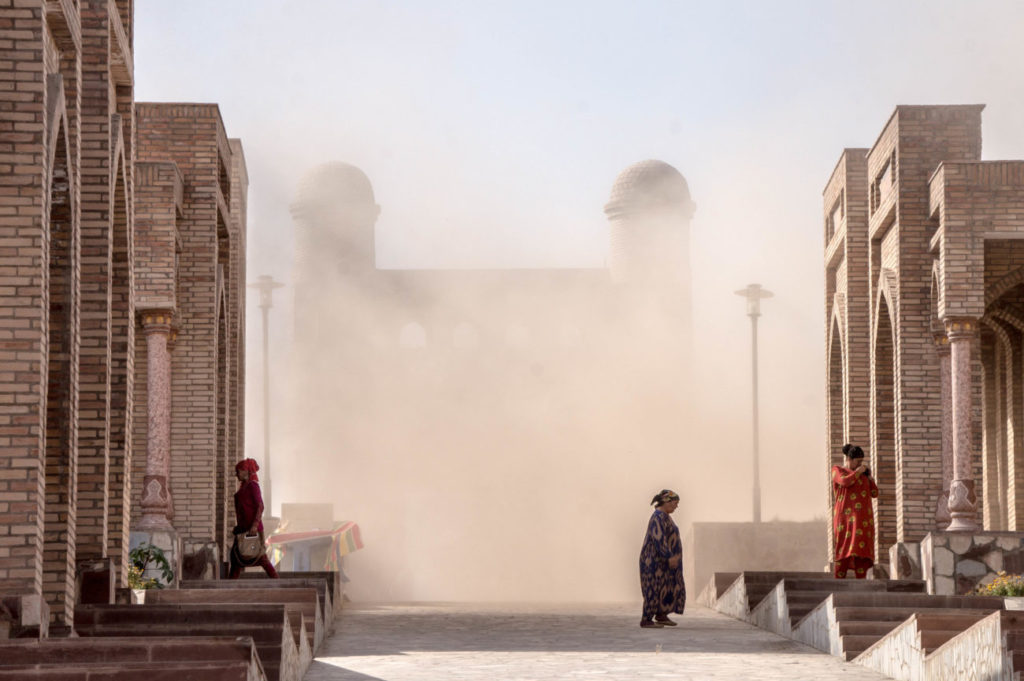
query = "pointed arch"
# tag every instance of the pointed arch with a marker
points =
(835, 393)
(934, 321)
(122, 355)
(1002, 285)
(884, 436)
(61, 397)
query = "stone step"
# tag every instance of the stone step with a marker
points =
(302, 604)
(942, 619)
(933, 638)
(915, 600)
(321, 585)
(806, 597)
(897, 614)
(773, 578)
(866, 628)
(127, 649)
(130, 671)
(855, 644)
(723, 580)
(335, 584)
(268, 626)
(830, 585)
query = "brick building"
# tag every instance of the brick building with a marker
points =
(925, 310)
(100, 254)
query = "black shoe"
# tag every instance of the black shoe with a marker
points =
(664, 621)
(648, 624)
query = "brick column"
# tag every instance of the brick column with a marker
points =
(963, 335)
(156, 496)
(942, 517)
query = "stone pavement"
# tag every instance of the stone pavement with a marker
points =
(517, 643)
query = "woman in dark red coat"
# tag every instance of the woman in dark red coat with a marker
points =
(248, 518)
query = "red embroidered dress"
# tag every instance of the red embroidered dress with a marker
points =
(853, 521)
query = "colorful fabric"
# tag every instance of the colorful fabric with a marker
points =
(853, 522)
(662, 586)
(248, 506)
(249, 465)
(663, 497)
(344, 536)
(860, 567)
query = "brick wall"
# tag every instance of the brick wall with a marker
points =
(206, 291)
(847, 308)
(942, 230)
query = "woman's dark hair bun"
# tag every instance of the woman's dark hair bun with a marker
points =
(853, 451)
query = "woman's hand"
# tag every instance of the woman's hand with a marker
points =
(860, 469)
(673, 562)
(254, 529)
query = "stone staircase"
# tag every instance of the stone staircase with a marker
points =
(325, 600)
(333, 580)
(250, 630)
(268, 626)
(301, 605)
(127, 659)
(862, 619)
(890, 626)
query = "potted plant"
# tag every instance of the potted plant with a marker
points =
(141, 558)
(1010, 587)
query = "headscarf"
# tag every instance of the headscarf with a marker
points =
(663, 497)
(249, 465)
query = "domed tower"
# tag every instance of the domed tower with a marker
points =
(335, 216)
(649, 210)
(649, 213)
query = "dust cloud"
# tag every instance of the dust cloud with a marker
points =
(498, 433)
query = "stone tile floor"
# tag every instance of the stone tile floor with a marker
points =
(537, 643)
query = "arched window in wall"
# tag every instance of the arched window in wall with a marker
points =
(412, 336)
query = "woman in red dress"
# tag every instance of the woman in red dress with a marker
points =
(249, 518)
(853, 520)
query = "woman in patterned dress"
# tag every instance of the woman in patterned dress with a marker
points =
(853, 520)
(661, 564)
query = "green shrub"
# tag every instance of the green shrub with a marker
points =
(141, 557)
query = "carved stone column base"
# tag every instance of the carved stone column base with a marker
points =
(155, 503)
(963, 507)
(167, 541)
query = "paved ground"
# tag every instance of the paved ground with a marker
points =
(516, 643)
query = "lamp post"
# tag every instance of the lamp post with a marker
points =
(754, 294)
(265, 284)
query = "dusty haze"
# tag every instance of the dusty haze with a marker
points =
(492, 134)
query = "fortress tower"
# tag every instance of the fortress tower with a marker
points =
(649, 212)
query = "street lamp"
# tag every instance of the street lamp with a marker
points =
(265, 284)
(754, 294)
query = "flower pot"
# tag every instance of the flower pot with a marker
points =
(1013, 602)
(139, 597)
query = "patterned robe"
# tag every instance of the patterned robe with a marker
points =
(663, 588)
(853, 520)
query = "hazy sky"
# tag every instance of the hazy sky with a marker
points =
(492, 133)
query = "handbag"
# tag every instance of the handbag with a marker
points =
(250, 546)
